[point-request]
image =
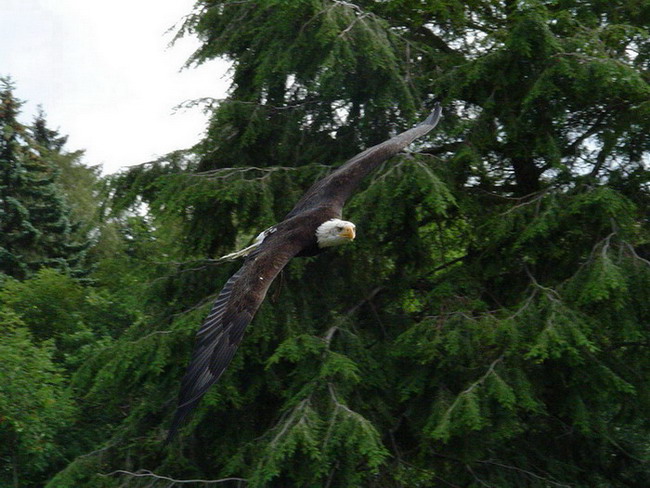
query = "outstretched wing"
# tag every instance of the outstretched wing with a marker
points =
(338, 186)
(223, 329)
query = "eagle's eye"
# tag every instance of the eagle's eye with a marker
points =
(339, 228)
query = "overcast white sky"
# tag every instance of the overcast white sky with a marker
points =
(104, 74)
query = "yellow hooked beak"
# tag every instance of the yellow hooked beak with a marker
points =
(348, 233)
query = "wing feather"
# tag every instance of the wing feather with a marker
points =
(223, 329)
(337, 187)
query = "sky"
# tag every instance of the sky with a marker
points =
(105, 75)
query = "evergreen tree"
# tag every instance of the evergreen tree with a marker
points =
(48, 139)
(81, 184)
(35, 225)
(488, 327)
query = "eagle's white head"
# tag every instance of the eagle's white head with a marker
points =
(335, 232)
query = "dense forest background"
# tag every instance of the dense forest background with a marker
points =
(490, 326)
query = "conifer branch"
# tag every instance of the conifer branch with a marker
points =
(206, 263)
(526, 304)
(618, 345)
(474, 385)
(442, 148)
(623, 450)
(524, 471)
(340, 405)
(481, 482)
(349, 5)
(597, 126)
(526, 200)
(210, 102)
(602, 157)
(449, 263)
(151, 334)
(226, 173)
(358, 18)
(478, 382)
(198, 305)
(98, 451)
(301, 406)
(145, 473)
(330, 425)
(634, 253)
(437, 41)
(329, 334)
(550, 292)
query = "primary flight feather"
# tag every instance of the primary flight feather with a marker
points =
(313, 225)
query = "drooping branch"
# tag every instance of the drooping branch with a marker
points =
(605, 151)
(437, 41)
(442, 148)
(545, 479)
(145, 473)
(227, 173)
(597, 126)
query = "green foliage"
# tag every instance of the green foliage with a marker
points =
(487, 328)
(36, 228)
(55, 306)
(34, 404)
(49, 302)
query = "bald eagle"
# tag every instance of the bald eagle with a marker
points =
(312, 226)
